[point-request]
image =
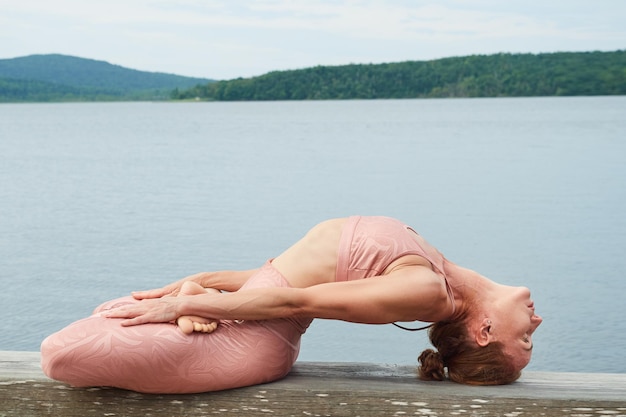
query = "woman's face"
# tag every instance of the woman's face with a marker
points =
(515, 322)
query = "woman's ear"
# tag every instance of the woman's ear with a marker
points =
(484, 335)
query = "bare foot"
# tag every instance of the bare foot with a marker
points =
(190, 324)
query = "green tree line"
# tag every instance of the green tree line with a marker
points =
(499, 75)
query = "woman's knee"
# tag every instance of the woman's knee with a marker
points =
(53, 360)
(111, 304)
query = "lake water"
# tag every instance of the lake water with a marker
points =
(99, 199)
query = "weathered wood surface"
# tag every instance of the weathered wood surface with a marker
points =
(320, 389)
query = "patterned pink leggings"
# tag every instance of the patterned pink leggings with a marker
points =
(159, 358)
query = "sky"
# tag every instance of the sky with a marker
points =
(226, 39)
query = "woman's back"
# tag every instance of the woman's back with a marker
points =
(313, 259)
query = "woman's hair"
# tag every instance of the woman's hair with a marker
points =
(465, 360)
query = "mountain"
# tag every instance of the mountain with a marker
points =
(57, 77)
(67, 78)
(498, 75)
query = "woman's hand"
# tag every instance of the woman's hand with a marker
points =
(169, 290)
(229, 281)
(160, 310)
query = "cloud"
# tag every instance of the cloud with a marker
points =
(357, 19)
(221, 38)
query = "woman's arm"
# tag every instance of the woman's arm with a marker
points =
(405, 295)
(220, 280)
(252, 304)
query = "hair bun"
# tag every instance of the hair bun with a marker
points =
(431, 366)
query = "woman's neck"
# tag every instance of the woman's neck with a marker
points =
(468, 286)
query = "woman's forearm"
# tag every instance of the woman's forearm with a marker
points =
(253, 304)
(224, 280)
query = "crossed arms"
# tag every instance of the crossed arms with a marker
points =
(412, 293)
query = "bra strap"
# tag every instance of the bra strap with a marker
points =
(411, 329)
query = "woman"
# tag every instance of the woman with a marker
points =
(359, 269)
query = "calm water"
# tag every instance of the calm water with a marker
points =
(97, 200)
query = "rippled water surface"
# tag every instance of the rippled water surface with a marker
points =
(100, 199)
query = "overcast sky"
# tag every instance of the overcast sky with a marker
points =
(224, 39)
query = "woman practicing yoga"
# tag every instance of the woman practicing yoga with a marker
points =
(189, 336)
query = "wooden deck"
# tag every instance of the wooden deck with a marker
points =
(320, 389)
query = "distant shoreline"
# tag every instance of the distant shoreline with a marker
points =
(60, 78)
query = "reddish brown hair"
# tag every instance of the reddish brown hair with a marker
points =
(465, 360)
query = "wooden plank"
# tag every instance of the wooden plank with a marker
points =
(16, 365)
(319, 389)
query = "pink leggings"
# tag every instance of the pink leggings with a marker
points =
(159, 358)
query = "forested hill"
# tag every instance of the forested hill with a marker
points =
(66, 78)
(501, 75)
(60, 77)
